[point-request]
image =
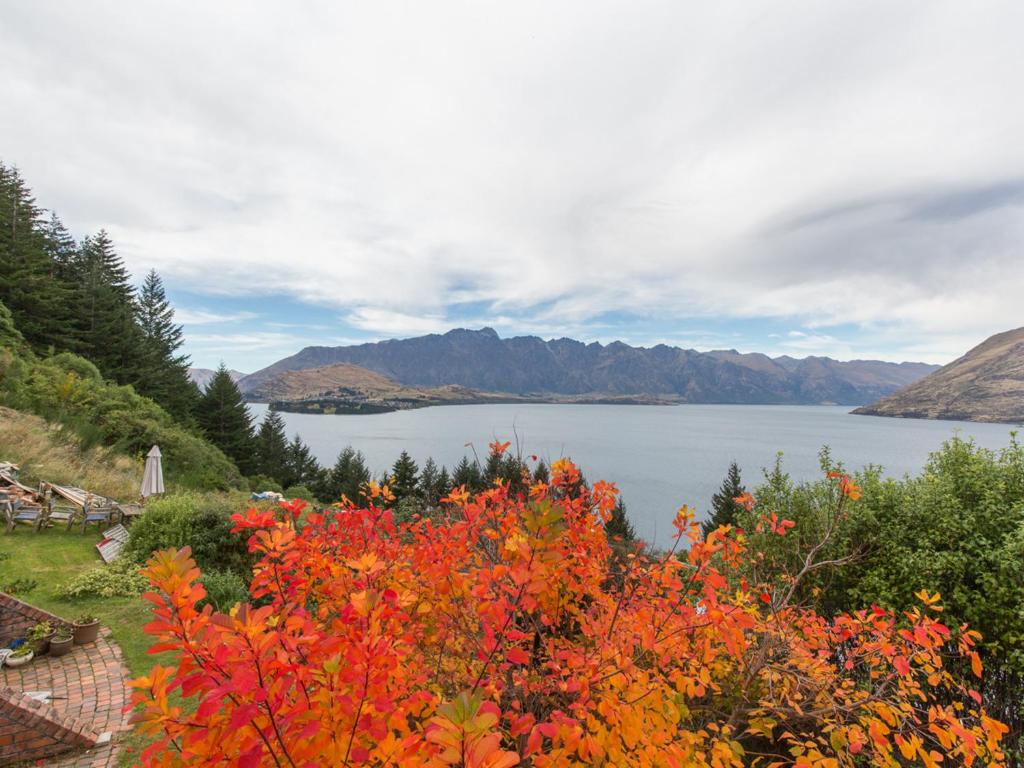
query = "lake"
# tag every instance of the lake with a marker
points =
(659, 456)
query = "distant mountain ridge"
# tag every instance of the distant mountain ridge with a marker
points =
(986, 384)
(202, 377)
(528, 365)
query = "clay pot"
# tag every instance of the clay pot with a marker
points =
(86, 633)
(59, 646)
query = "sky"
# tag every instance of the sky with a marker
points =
(840, 178)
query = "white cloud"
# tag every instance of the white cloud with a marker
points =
(196, 316)
(840, 163)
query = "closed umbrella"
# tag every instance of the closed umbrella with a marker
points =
(153, 474)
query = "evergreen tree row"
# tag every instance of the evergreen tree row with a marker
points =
(77, 296)
(263, 454)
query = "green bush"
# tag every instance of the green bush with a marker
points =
(260, 483)
(299, 492)
(120, 578)
(224, 589)
(956, 529)
(68, 389)
(202, 522)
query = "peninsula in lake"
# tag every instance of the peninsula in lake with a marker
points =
(464, 366)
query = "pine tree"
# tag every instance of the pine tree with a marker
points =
(61, 247)
(165, 372)
(270, 453)
(725, 510)
(109, 333)
(404, 481)
(619, 528)
(224, 418)
(37, 300)
(493, 467)
(541, 473)
(345, 478)
(467, 473)
(428, 481)
(443, 485)
(301, 466)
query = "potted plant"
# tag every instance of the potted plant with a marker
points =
(62, 641)
(21, 656)
(87, 629)
(39, 636)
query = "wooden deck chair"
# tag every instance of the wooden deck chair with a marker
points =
(55, 514)
(102, 516)
(20, 512)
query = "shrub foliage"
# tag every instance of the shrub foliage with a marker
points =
(492, 637)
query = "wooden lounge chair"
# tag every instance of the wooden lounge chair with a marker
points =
(19, 512)
(102, 516)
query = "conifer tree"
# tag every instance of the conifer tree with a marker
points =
(301, 467)
(541, 474)
(725, 510)
(404, 480)
(443, 484)
(38, 302)
(619, 528)
(468, 473)
(345, 478)
(493, 467)
(110, 335)
(428, 481)
(165, 371)
(270, 454)
(61, 247)
(224, 418)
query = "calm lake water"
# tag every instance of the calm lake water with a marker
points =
(659, 456)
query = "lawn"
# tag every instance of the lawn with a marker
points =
(51, 558)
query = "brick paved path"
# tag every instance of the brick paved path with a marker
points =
(89, 684)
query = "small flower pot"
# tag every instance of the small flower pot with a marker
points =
(19, 661)
(41, 647)
(60, 646)
(86, 633)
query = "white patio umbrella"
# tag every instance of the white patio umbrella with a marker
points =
(153, 474)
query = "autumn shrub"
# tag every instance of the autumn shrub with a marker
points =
(493, 638)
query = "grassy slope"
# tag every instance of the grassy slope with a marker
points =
(45, 453)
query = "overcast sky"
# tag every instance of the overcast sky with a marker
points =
(841, 178)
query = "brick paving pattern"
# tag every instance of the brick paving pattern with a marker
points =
(89, 684)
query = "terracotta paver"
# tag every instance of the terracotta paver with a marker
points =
(89, 684)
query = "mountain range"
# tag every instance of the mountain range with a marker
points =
(480, 360)
(202, 377)
(986, 384)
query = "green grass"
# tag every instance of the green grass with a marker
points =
(51, 558)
